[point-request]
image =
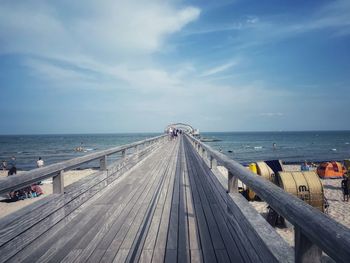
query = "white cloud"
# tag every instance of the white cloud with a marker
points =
(115, 40)
(110, 28)
(218, 69)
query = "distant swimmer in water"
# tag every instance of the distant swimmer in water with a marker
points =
(79, 148)
(220, 150)
(274, 146)
(230, 151)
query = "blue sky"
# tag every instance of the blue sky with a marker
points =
(133, 66)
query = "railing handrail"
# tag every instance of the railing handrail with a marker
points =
(329, 235)
(14, 182)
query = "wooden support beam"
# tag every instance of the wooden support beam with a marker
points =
(58, 183)
(103, 163)
(232, 184)
(305, 250)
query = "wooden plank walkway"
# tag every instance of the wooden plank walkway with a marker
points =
(166, 209)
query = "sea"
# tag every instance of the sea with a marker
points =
(244, 147)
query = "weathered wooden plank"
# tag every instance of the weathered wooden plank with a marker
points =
(183, 253)
(305, 251)
(222, 256)
(16, 244)
(38, 242)
(236, 232)
(91, 244)
(18, 181)
(114, 246)
(154, 227)
(196, 256)
(227, 239)
(52, 246)
(194, 241)
(174, 213)
(206, 243)
(244, 246)
(72, 255)
(76, 195)
(121, 256)
(115, 228)
(212, 226)
(263, 252)
(171, 256)
(320, 231)
(143, 231)
(146, 256)
(159, 249)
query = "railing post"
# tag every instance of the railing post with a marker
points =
(58, 183)
(305, 250)
(232, 184)
(212, 163)
(103, 163)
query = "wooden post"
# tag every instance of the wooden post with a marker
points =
(213, 163)
(305, 250)
(204, 153)
(58, 183)
(232, 184)
(103, 163)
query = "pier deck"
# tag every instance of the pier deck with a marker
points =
(163, 203)
(162, 210)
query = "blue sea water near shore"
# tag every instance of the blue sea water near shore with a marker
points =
(57, 148)
(291, 147)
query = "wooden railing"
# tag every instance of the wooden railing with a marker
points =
(314, 231)
(56, 171)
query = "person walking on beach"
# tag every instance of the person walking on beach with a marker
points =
(13, 168)
(40, 162)
(305, 166)
(4, 165)
(345, 188)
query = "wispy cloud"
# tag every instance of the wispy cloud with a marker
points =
(259, 30)
(271, 114)
(218, 69)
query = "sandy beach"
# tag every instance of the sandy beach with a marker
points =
(69, 178)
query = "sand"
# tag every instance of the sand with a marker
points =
(69, 178)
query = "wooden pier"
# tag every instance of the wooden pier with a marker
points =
(161, 201)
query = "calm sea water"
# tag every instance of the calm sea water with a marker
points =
(291, 147)
(56, 148)
(245, 146)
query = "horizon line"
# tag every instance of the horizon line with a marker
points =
(149, 132)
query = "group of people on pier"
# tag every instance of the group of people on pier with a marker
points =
(173, 133)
